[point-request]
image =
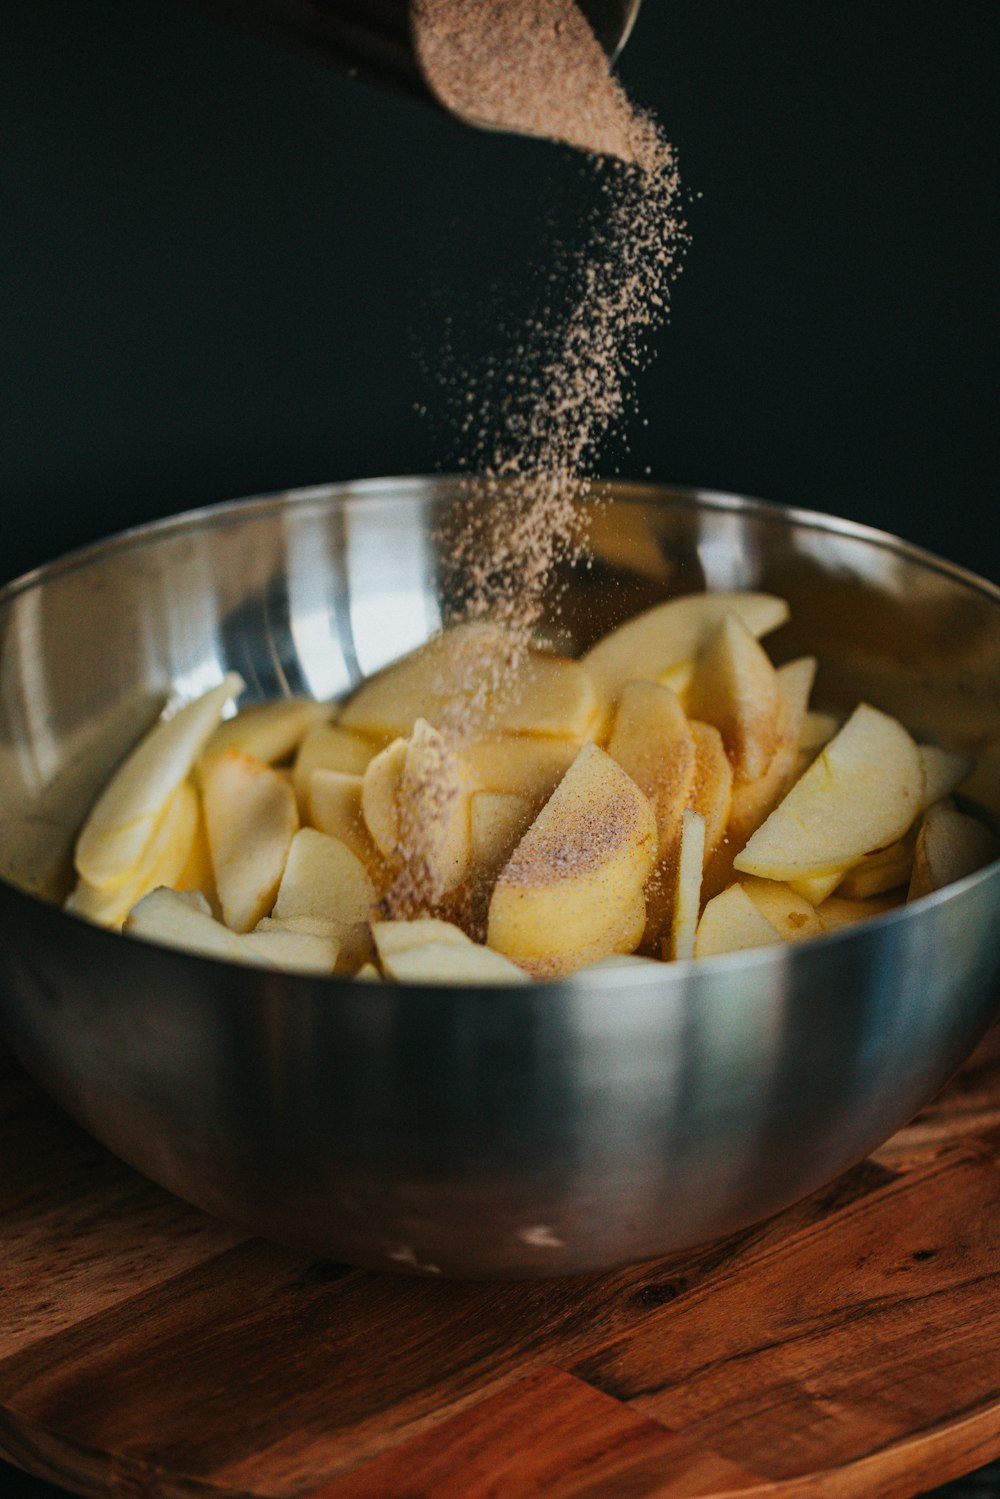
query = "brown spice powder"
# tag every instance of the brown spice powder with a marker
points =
(535, 66)
(529, 66)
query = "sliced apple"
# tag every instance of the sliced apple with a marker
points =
(197, 871)
(572, 891)
(269, 731)
(818, 728)
(836, 911)
(526, 767)
(686, 894)
(184, 919)
(433, 803)
(881, 870)
(862, 792)
(817, 888)
(451, 963)
(334, 807)
(792, 916)
(163, 861)
(735, 687)
(250, 819)
(731, 922)
(312, 926)
(394, 937)
(653, 743)
(470, 675)
(949, 846)
(944, 771)
(305, 952)
(329, 746)
(380, 798)
(753, 801)
(672, 634)
(429, 951)
(498, 820)
(126, 814)
(795, 683)
(324, 881)
(712, 787)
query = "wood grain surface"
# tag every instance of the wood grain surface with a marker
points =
(847, 1349)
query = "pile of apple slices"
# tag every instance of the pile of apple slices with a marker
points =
(670, 795)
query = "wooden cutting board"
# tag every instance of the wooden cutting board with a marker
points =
(848, 1347)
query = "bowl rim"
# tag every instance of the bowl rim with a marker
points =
(404, 488)
(412, 486)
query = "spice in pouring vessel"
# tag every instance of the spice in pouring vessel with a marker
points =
(535, 67)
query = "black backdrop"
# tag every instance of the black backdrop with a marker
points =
(216, 260)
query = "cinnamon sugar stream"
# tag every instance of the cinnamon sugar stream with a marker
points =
(535, 66)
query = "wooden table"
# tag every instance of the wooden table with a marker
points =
(848, 1347)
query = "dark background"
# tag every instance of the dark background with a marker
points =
(216, 260)
(219, 263)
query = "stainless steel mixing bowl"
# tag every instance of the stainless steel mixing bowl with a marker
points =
(536, 1131)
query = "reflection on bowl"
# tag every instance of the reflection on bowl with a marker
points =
(528, 1131)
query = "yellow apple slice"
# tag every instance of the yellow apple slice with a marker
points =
(305, 952)
(125, 815)
(653, 743)
(498, 820)
(162, 863)
(686, 893)
(394, 937)
(184, 920)
(712, 787)
(269, 731)
(731, 922)
(621, 935)
(881, 870)
(197, 871)
(433, 807)
(380, 798)
(944, 771)
(792, 916)
(324, 881)
(818, 728)
(817, 888)
(672, 634)
(526, 767)
(312, 926)
(572, 891)
(753, 801)
(795, 683)
(735, 687)
(527, 691)
(452, 963)
(836, 911)
(250, 819)
(678, 679)
(949, 846)
(862, 792)
(328, 746)
(334, 807)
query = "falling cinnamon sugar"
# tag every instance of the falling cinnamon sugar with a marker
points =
(535, 429)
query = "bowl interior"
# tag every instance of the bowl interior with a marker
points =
(382, 1124)
(312, 591)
